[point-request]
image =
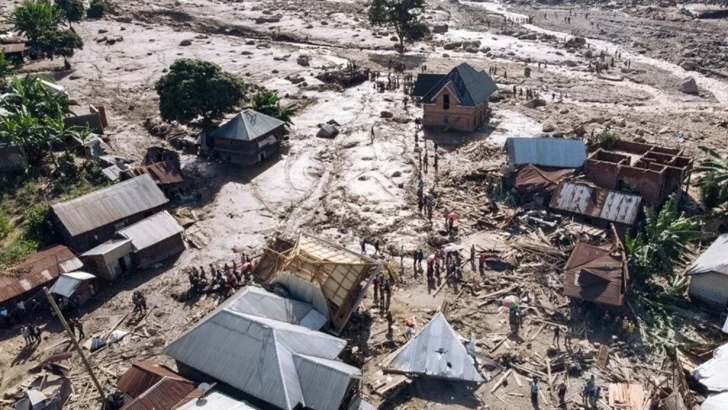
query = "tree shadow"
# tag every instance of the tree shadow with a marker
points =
(410, 61)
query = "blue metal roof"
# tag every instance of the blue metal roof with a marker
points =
(546, 152)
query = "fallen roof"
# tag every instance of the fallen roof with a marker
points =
(68, 283)
(248, 125)
(215, 400)
(547, 152)
(714, 259)
(152, 230)
(282, 359)
(108, 205)
(436, 351)
(595, 202)
(143, 375)
(163, 173)
(36, 270)
(712, 374)
(532, 180)
(471, 87)
(595, 274)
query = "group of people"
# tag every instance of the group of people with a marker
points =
(591, 394)
(382, 292)
(223, 281)
(31, 334)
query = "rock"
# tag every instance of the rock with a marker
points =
(570, 63)
(327, 131)
(396, 174)
(472, 49)
(548, 128)
(303, 60)
(689, 66)
(262, 20)
(564, 111)
(386, 114)
(296, 80)
(246, 53)
(689, 86)
(494, 98)
(579, 130)
(102, 31)
(535, 103)
(324, 23)
(250, 43)
(402, 120)
(619, 122)
(274, 71)
(394, 38)
(440, 28)
(665, 130)
(527, 36)
(453, 45)
(689, 54)
(185, 43)
(446, 55)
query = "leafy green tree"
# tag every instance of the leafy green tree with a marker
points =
(29, 94)
(663, 240)
(74, 9)
(35, 136)
(194, 88)
(405, 16)
(268, 103)
(713, 183)
(35, 18)
(96, 9)
(59, 43)
(40, 228)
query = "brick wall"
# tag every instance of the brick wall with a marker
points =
(456, 117)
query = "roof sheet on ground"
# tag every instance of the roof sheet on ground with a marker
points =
(68, 283)
(594, 274)
(714, 259)
(713, 373)
(436, 351)
(108, 205)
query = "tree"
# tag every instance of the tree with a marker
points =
(5, 71)
(29, 94)
(405, 16)
(268, 103)
(194, 88)
(73, 8)
(35, 18)
(714, 181)
(35, 136)
(96, 9)
(661, 243)
(59, 43)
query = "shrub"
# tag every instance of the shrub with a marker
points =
(96, 9)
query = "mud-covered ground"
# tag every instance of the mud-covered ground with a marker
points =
(353, 186)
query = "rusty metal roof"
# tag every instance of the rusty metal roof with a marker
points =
(533, 180)
(595, 274)
(109, 205)
(163, 173)
(142, 376)
(167, 394)
(37, 270)
(595, 202)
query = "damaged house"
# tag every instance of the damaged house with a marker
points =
(339, 276)
(652, 171)
(247, 139)
(546, 152)
(94, 218)
(149, 385)
(597, 274)
(268, 347)
(457, 100)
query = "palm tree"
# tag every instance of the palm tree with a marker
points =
(34, 18)
(268, 103)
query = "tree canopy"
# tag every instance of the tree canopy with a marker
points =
(405, 16)
(268, 103)
(74, 9)
(195, 89)
(96, 9)
(39, 21)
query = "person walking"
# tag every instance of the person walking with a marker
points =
(561, 392)
(534, 392)
(557, 334)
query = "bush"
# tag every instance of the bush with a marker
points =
(17, 251)
(5, 227)
(710, 192)
(40, 227)
(96, 9)
(72, 8)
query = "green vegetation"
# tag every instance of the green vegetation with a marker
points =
(96, 9)
(405, 16)
(73, 8)
(39, 21)
(196, 89)
(268, 103)
(713, 183)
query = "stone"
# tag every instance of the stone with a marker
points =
(394, 38)
(303, 60)
(386, 114)
(440, 28)
(689, 86)
(619, 122)
(327, 131)
(102, 31)
(453, 45)
(472, 49)
(296, 80)
(548, 128)
(250, 43)
(396, 174)
(535, 103)
(185, 43)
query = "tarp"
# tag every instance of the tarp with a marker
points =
(713, 373)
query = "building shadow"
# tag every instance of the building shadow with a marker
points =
(439, 391)
(450, 140)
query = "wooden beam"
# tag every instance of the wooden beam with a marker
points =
(501, 380)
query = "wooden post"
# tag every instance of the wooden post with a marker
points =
(75, 343)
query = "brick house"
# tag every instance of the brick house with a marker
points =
(457, 100)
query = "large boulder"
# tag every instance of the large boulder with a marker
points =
(535, 103)
(689, 86)
(548, 127)
(440, 28)
(386, 114)
(453, 45)
(327, 131)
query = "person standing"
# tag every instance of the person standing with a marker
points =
(534, 392)
(25, 331)
(557, 334)
(390, 321)
(35, 333)
(79, 326)
(387, 292)
(72, 326)
(376, 291)
(561, 391)
(481, 264)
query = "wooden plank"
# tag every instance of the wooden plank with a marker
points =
(500, 343)
(518, 379)
(501, 380)
(603, 356)
(551, 380)
(537, 332)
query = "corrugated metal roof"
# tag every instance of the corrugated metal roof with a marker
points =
(36, 270)
(216, 400)
(67, 283)
(712, 374)
(304, 291)
(425, 82)
(152, 230)
(167, 394)
(259, 356)
(714, 259)
(163, 173)
(247, 126)
(360, 404)
(472, 87)
(531, 180)
(595, 274)
(595, 202)
(547, 152)
(436, 351)
(142, 376)
(108, 247)
(109, 205)
(259, 302)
